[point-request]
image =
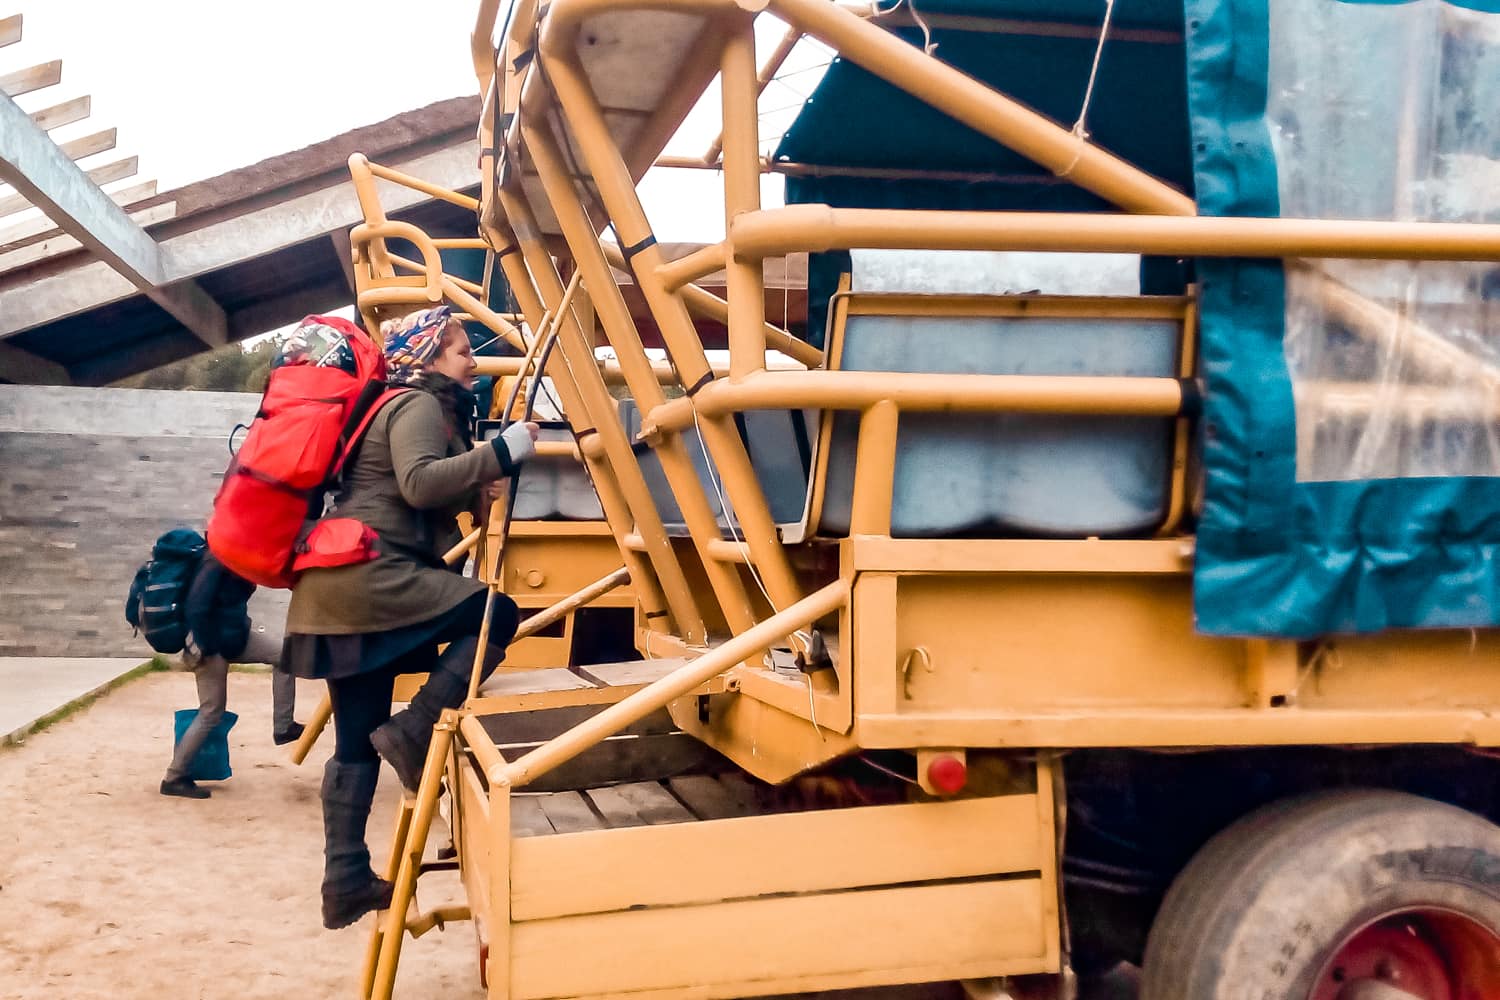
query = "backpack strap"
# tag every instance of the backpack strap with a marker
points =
(366, 408)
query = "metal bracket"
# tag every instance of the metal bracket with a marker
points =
(917, 654)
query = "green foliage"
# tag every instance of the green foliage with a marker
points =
(231, 368)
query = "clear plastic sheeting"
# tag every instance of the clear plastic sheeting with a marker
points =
(1386, 111)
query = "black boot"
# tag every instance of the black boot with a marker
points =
(350, 888)
(291, 734)
(404, 739)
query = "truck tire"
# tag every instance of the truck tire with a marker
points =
(1353, 895)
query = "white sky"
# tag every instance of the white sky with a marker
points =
(199, 87)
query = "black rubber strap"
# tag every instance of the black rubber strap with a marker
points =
(521, 61)
(629, 252)
(656, 614)
(708, 377)
(509, 248)
(1192, 397)
(580, 435)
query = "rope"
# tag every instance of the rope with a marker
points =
(928, 45)
(1080, 127)
(731, 521)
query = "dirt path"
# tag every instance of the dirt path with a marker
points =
(109, 890)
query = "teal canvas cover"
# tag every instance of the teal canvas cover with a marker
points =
(1349, 432)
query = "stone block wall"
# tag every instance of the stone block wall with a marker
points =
(88, 479)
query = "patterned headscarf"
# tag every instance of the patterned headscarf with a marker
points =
(411, 342)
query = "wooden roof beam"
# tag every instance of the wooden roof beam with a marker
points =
(54, 242)
(303, 216)
(65, 113)
(24, 81)
(24, 367)
(116, 170)
(107, 174)
(32, 162)
(10, 29)
(88, 145)
(11, 204)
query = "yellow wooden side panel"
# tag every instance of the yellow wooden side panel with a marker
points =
(539, 651)
(473, 824)
(605, 870)
(546, 561)
(747, 947)
(1408, 670)
(1058, 642)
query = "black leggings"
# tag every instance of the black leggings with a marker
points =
(362, 702)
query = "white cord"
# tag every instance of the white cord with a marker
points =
(1080, 127)
(730, 520)
(928, 45)
(885, 770)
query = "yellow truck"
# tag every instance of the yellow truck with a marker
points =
(1105, 572)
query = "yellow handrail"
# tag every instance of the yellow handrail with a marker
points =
(563, 748)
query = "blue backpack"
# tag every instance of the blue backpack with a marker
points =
(158, 594)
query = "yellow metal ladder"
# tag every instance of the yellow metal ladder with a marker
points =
(405, 866)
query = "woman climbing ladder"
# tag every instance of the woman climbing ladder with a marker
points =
(360, 626)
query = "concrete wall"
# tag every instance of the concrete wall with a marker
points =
(88, 479)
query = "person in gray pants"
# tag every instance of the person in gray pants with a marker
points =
(219, 628)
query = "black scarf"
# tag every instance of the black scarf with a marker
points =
(458, 404)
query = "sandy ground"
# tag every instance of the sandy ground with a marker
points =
(109, 889)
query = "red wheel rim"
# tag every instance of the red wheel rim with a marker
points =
(1420, 954)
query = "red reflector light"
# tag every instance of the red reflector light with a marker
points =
(947, 774)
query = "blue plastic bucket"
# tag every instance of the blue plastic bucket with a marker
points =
(212, 762)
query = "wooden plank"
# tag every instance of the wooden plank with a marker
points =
(541, 726)
(10, 30)
(128, 196)
(475, 838)
(618, 812)
(621, 758)
(116, 171)
(527, 818)
(17, 365)
(816, 851)
(585, 694)
(741, 791)
(632, 672)
(907, 934)
(24, 81)
(655, 804)
(569, 812)
(65, 113)
(518, 682)
(61, 243)
(706, 798)
(89, 145)
(495, 930)
(1138, 557)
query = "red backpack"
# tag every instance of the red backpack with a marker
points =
(317, 405)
